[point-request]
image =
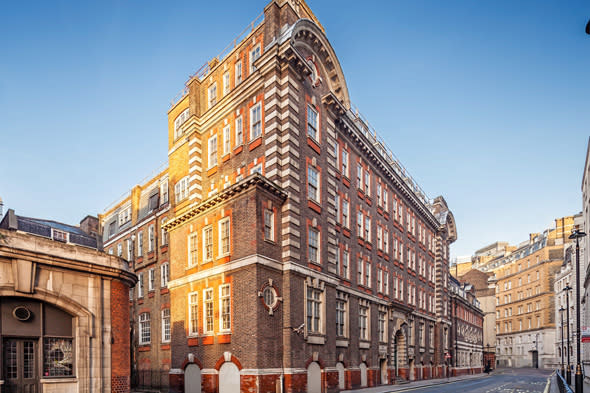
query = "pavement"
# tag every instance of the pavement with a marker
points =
(499, 381)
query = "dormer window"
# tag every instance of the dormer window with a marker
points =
(59, 236)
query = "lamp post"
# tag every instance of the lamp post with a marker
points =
(568, 375)
(577, 234)
(561, 310)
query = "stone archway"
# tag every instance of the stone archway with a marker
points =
(363, 368)
(399, 352)
(314, 378)
(192, 379)
(229, 378)
(341, 379)
(383, 371)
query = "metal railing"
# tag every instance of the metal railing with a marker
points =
(206, 68)
(562, 384)
(387, 154)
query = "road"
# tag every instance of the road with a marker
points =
(510, 380)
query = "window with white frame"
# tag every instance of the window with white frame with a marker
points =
(345, 213)
(145, 336)
(379, 237)
(368, 228)
(359, 176)
(180, 119)
(239, 131)
(225, 308)
(164, 192)
(151, 279)
(226, 83)
(386, 241)
(379, 280)
(361, 274)
(367, 183)
(368, 274)
(208, 243)
(140, 285)
(151, 238)
(181, 189)
(224, 236)
(255, 121)
(254, 55)
(140, 244)
(385, 200)
(378, 193)
(359, 223)
(164, 274)
(164, 233)
(193, 245)
(226, 140)
(212, 160)
(193, 313)
(238, 72)
(363, 322)
(313, 249)
(129, 249)
(269, 225)
(119, 250)
(341, 330)
(166, 332)
(382, 326)
(313, 310)
(212, 94)
(345, 263)
(386, 283)
(313, 185)
(337, 208)
(256, 169)
(312, 122)
(208, 311)
(344, 162)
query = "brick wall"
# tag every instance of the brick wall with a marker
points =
(120, 350)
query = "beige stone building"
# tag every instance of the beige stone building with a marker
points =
(525, 316)
(64, 316)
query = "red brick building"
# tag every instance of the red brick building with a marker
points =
(302, 255)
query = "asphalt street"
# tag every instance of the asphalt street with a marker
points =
(512, 380)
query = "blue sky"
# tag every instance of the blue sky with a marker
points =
(485, 102)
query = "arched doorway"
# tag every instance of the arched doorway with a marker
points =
(192, 379)
(341, 380)
(363, 368)
(229, 378)
(383, 370)
(314, 378)
(399, 354)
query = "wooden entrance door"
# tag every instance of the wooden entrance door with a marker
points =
(20, 366)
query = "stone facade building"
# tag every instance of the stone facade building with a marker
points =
(64, 321)
(132, 229)
(525, 315)
(467, 332)
(484, 285)
(301, 254)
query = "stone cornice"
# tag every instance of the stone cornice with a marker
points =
(254, 180)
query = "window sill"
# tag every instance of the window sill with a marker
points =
(255, 143)
(342, 343)
(211, 171)
(364, 344)
(56, 380)
(144, 347)
(320, 340)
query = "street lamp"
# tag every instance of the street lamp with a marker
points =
(561, 310)
(568, 375)
(577, 234)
